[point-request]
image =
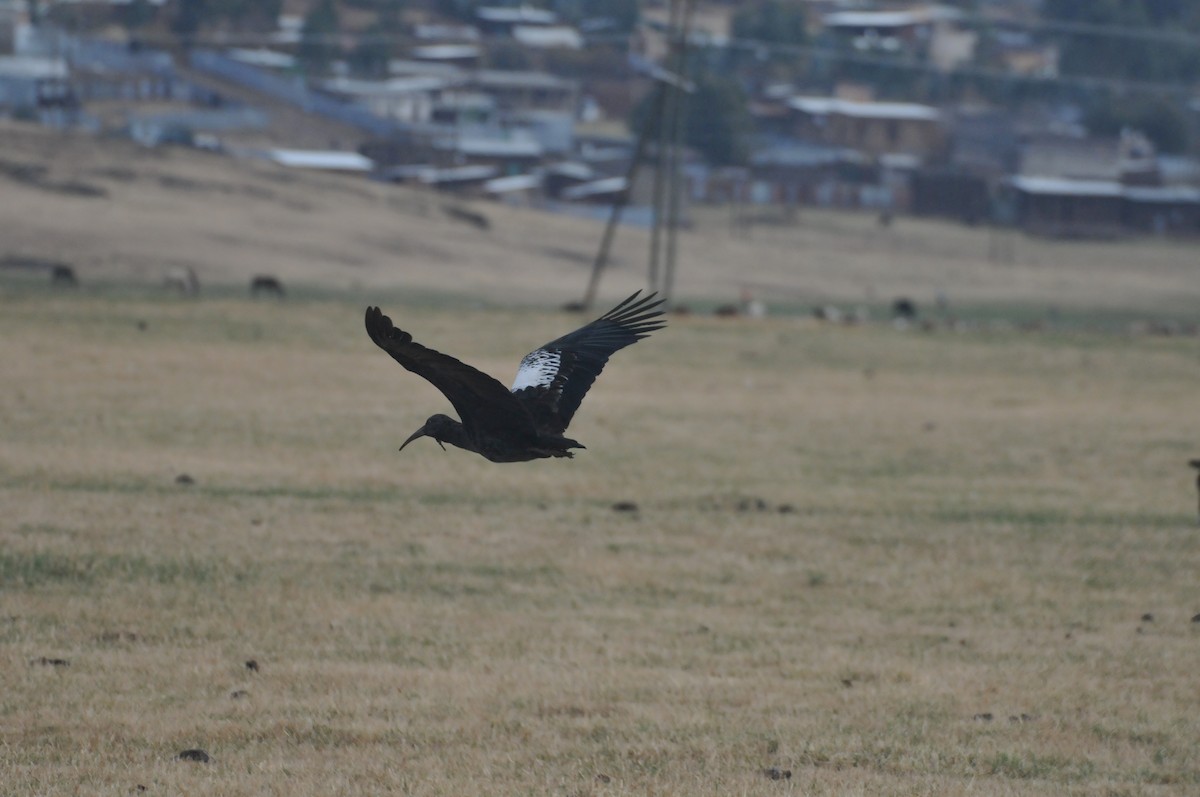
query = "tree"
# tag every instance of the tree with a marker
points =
(1162, 121)
(1108, 54)
(318, 38)
(716, 121)
(137, 14)
(373, 51)
(189, 16)
(772, 21)
(623, 13)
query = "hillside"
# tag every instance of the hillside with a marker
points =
(117, 212)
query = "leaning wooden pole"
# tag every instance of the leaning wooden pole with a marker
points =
(665, 139)
(614, 216)
(676, 126)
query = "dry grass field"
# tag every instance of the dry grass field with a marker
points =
(863, 561)
(117, 212)
(883, 562)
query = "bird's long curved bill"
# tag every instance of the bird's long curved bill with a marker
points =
(420, 433)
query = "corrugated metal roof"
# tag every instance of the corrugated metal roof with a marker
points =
(322, 159)
(517, 182)
(497, 78)
(31, 67)
(495, 147)
(446, 52)
(821, 106)
(400, 85)
(525, 14)
(1165, 193)
(609, 185)
(548, 36)
(272, 59)
(458, 174)
(1064, 186)
(890, 19)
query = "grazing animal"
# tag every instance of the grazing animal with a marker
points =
(904, 307)
(265, 284)
(528, 421)
(468, 216)
(1195, 463)
(63, 276)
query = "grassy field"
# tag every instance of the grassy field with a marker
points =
(863, 561)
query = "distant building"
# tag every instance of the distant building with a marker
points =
(891, 30)
(516, 90)
(501, 20)
(461, 55)
(193, 127)
(1071, 186)
(508, 156)
(1070, 208)
(875, 128)
(31, 83)
(406, 99)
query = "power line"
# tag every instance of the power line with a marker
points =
(821, 51)
(914, 64)
(1092, 29)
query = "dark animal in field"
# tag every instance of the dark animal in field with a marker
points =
(63, 276)
(266, 285)
(905, 308)
(472, 217)
(1195, 463)
(527, 421)
(194, 754)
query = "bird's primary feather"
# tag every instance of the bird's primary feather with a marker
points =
(554, 378)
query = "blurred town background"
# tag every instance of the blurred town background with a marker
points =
(1061, 117)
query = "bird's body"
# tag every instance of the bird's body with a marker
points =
(528, 421)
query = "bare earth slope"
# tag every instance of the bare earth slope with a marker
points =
(116, 211)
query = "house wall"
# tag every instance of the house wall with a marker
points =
(1162, 218)
(880, 136)
(1062, 216)
(875, 136)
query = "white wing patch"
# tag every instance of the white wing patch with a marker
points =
(538, 369)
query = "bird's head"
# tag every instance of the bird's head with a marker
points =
(437, 427)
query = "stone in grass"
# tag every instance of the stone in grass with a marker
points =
(625, 506)
(1196, 618)
(194, 754)
(1147, 618)
(185, 479)
(775, 773)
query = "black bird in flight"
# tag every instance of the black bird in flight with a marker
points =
(528, 421)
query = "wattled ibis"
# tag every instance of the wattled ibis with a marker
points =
(527, 421)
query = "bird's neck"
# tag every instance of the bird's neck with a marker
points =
(455, 434)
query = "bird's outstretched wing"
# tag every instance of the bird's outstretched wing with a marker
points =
(482, 402)
(553, 379)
